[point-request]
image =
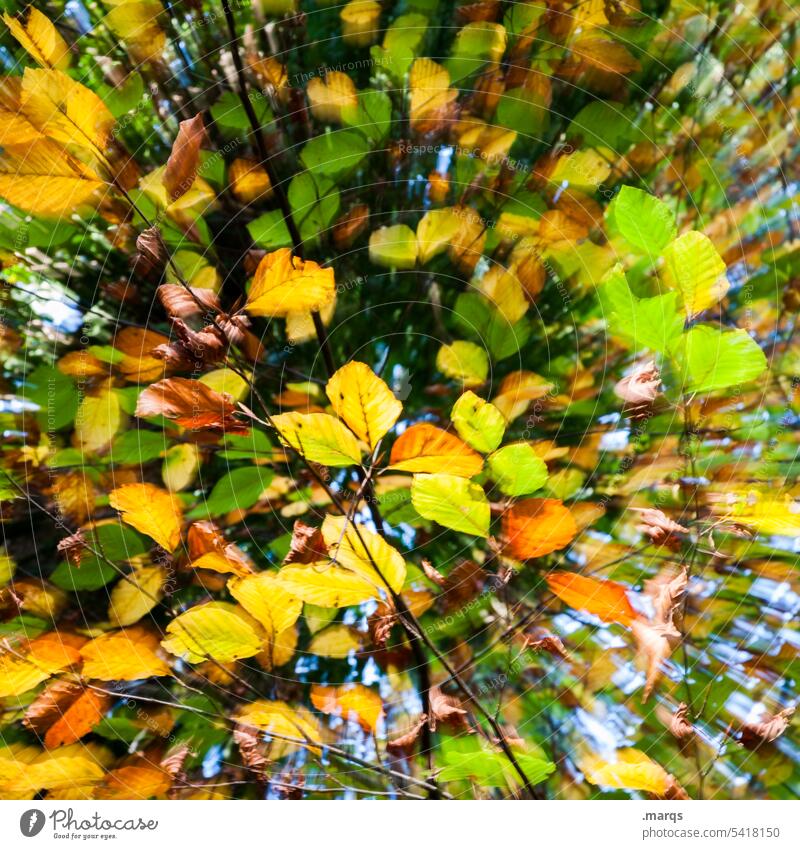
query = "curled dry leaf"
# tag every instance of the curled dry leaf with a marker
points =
(182, 164)
(447, 710)
(307, 545)
(72, 548)
(251, 747)
(188, 403)
(640, 386)
(547, 642)
(431, 573)
(182, 303)
(380, 624)
(657, 525)
(753, 734)
(679, 725)
(463, 583)
(152, 255)
(403, 745)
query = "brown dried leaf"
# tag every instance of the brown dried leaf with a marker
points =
(182, 164)
(182, 303)
(189, 403)
(753, 734)
(404, 744)
(307, 546)
(447, 709)
(251, 747)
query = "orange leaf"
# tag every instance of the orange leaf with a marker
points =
(78, 719)
(537, 526)
(351, 701)
(425, 448)
(605, 599)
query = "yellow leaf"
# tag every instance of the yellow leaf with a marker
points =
(300, 325)
(29, 770)
(581, 169)
(505, 291)
(151, 510)
(137, 596)
(431, 97)
(360, 22)
(435, 231)
(7, 566)
(330, 94)
(64, 110)
(215, 630)
(41, 180)
(22, 671)
(393, 247)
(363, 552)
(135, 782)
(98, 420)
(426, 448)
(337, 642)
(464, 361)
(279, 650)
(364, 401)
(517, 390)
(326, 586)
(693, 267)
(319, 437)
(249, 181)
(350, 701)
(127, 655)
(278, 718)
(40, 39)
(180, 467)
(632, 770)
(226, 382)
(267, 601)
(284, 283)
(136, 23)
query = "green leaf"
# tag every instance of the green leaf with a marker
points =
(238, 490)
(246, 446)
(55, 395)
(134, 447)
(643, 220)
(517, 469)
(229, 114)
(466, 758)
(371, 116)
(479, 423)
(479, 318)
(716, 359)
(523, 110)
(314, 202)
(400, 45)
(452, 502)
(269, 231)
(92, 574)
(334, 154)
(645, 322)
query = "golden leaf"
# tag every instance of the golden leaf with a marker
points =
(40, 39)
(364, 401)
(319, 438)
(536, 526)
(136, 596)
(126, 655)
(151, 510)
(284, 283)
(217, 630)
